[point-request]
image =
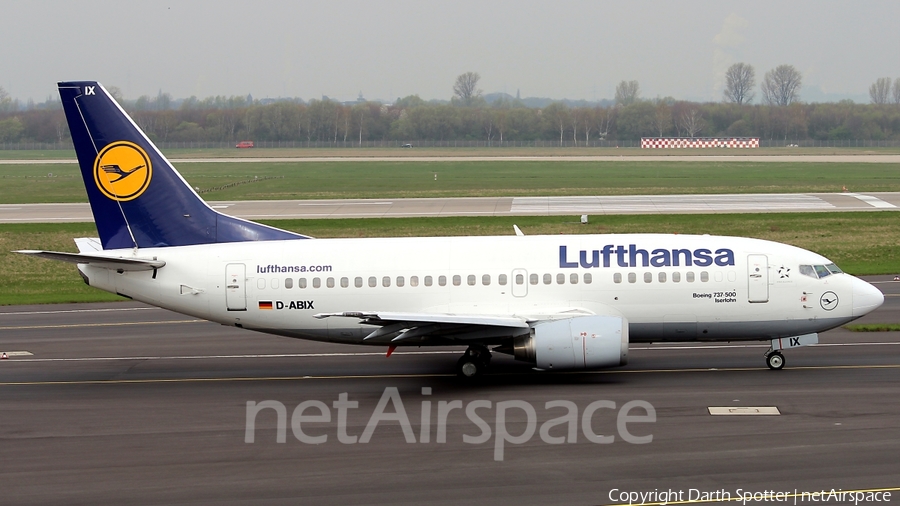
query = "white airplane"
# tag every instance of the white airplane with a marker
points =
(558, 302)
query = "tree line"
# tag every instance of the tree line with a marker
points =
(470, 116)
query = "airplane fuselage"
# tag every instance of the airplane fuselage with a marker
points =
(667, 287)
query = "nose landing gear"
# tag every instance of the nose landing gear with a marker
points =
(774, 358)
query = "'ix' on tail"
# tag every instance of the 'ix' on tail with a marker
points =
(138, 199)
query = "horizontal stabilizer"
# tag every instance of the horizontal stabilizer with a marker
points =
(105, 262)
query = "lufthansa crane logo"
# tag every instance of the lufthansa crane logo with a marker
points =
(828, 301)
(122, 171)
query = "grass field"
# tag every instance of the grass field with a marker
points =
(69, 154)
(860, 243)
(398, 179)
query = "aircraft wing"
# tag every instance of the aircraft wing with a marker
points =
(395, 327)
(114, 263)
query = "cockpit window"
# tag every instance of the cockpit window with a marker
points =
(834, 269)
(819, 271)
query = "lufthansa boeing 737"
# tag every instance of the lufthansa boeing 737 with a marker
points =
(558, 302)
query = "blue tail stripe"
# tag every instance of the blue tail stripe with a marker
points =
(168, 212)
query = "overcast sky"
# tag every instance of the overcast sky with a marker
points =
(392, 48)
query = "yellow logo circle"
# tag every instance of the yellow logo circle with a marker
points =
(122, 171)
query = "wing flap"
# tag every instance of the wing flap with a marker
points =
(385, 318)
(395, 327)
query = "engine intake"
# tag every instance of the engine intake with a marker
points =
(586, 342)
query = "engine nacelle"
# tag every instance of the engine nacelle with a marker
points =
(585, 342)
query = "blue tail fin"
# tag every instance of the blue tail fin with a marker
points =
(137, 197)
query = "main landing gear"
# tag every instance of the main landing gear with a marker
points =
(775, 360)
(475, 362)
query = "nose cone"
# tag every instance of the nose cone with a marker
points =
(866, 298)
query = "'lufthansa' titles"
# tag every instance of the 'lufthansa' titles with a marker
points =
(632, 256)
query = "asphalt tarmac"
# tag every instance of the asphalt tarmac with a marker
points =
(125, 404)
(498, 206)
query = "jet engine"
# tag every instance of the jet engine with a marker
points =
(585, 342)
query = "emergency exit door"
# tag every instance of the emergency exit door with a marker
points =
(236, 287)
(758, 278)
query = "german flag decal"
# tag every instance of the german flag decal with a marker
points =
(265, 304)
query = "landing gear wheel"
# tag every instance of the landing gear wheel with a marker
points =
(474, 363)
(470, 367)
(775, 361)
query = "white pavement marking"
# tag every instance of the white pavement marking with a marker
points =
(18, 353)
(666, 203)
(364, 353)
(743, 410)
(872, 201)
(83, 311)
(342, 203)
(219, 357)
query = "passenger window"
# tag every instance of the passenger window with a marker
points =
(486, 279)
(358, 282)
(442, 280)
(632, 277)
(457, 280)
(704, 276)
(329, 282)
(520, 279)
(386, 281)
(428, 280)
(261, 284)
(533, 279)
(648, 277)
(400, 281)
(274, 283)
(560, 279)
(470, 280)
(676, 277)
(301, 283)
(414, 281)
(617, 277)
(317, 283)
(373, 282)
(501, 279)
(662, 277)
(689, 277)
(573, 278)
(732, 276)
(548, 279)
(345, 282)
(288, 283)
(718, 276)
(588, 278)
